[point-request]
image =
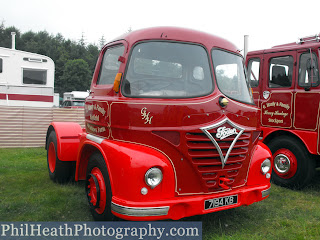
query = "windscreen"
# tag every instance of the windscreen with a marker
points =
(231, 76)
(168, 70)
(78, 103)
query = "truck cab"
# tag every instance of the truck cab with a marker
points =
(171, 130)
(286, 86)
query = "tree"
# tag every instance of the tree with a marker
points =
(92, 56)
(81, 47)
(102, 42)
(82, 40)
(5, 37)
(61, 51)
(76, 76)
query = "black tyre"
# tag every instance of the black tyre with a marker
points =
(98, 188)
(293, 166)
(59, 171)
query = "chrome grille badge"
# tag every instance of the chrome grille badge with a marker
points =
(223, 132)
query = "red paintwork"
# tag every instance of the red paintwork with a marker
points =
(127, 164)
(52, 157)
(93, 191)
(310, 139)
(67, 139)
(302, 119)
(193, 205)
(173, 142)
(261, 152)
(24, 97)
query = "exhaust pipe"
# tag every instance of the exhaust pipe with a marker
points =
(246, 42)
(13, 40)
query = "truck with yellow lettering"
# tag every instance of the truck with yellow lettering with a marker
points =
(171, 130)
(286, 87)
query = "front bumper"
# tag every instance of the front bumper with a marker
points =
(180, 207)
(140, 211)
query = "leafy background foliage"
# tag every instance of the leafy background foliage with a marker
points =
(74, 60)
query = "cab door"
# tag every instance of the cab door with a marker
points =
(111, 61)
(276, 100)
(307, 97)
(255, 74)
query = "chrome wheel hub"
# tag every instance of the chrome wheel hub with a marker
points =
(282, 163)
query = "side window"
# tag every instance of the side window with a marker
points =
(110, 65)
(1, 63)
(280, 72)
(66, 104)
(34, 76)
(254, 71)
(308, 70)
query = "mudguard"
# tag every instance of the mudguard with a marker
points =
(260, 153)
(68, 139)
(127, 164)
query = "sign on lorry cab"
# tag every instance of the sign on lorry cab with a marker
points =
(285, 83)
(171, 130)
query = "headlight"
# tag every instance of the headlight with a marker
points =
(265, 166)
(153, 177)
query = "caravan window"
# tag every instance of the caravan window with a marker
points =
(1, 65)
(34, 76)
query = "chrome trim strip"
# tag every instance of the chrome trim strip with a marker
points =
(95, 139)
(265, 192)
(139, 212)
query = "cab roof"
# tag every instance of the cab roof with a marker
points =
(177, 34)
(288, 47)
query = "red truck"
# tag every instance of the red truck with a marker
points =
(171, 130)
(285, 84)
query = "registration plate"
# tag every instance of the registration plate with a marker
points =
(220, 202)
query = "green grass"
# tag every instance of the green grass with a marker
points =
(27, 194)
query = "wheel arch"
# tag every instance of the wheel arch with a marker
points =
(297, 166)
(279, 133)
(127, 161)
(68, 139)
(87, 150)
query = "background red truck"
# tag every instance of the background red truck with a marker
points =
(285, 83)
(171, 130)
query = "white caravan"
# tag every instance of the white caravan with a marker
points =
(26, 79)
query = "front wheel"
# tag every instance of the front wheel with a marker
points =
(98, 189)
(293, 166)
